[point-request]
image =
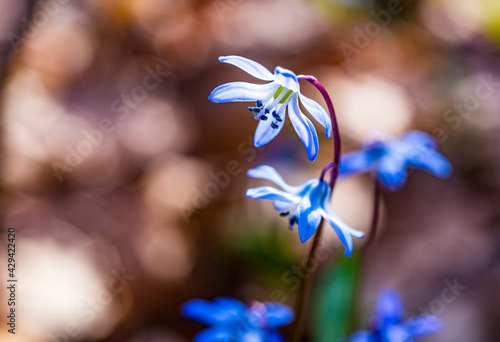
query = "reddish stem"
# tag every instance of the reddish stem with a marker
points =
(326, 168)
(303, 297)
(335, 126)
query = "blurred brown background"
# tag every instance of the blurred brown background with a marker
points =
(126, 185)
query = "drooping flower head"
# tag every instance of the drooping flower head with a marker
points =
(388, 324)
(271, 103)
(389, 159)
(305, 204)
(232, 321)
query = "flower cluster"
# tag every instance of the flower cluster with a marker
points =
(308, 204)
(388, 324)
(231, 320)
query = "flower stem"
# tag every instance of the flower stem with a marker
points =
(375, 216)
(335, 126)
(303, 296)
(371, 241)
(326, 168)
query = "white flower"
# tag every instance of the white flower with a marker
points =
(272, 100)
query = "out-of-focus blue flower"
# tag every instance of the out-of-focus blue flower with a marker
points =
(389, 159)
(306, 204)
(271, 103)
(388, 324)
(230, 320)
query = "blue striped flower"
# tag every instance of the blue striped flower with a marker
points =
(271, 103)
(306, 204)
(232, 321)
(388, 324)
(390, 159)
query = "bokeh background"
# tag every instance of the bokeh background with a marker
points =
(126, 185)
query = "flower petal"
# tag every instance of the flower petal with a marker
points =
(318, 112)
(213, 312)
(395, 333)
(274, 336)
(268, 172)
(309, 220)
(423, 325)
(253, 68)
(304, 128)
(309, 215)
(342, 225)
(362, 336)
(214, 334)
(286, 79)
(354, 162)
(278, 315)
(284, 206)
(389, 309)
(431, 161)
(419, 138)
(392, 170)
(341, 229)
(240, 92)
(309, 209)
(267, 192)
(252, 335)
(265, 133)
(230, 304)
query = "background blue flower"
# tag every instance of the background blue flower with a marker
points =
(390, 159)
(230, 320)
(388, 324)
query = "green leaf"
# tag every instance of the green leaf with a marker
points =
(333, 302)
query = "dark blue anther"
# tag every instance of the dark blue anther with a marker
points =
(259, 103)
(254, 109)
(277, 117)
(267, 111)
(274, 125)
(264, 118)
(293, 220)
(284, 213)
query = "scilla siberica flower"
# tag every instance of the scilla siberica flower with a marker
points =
(389, 159)
(306, 204)
(388, 324)
(232, 321)
(271, 103)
